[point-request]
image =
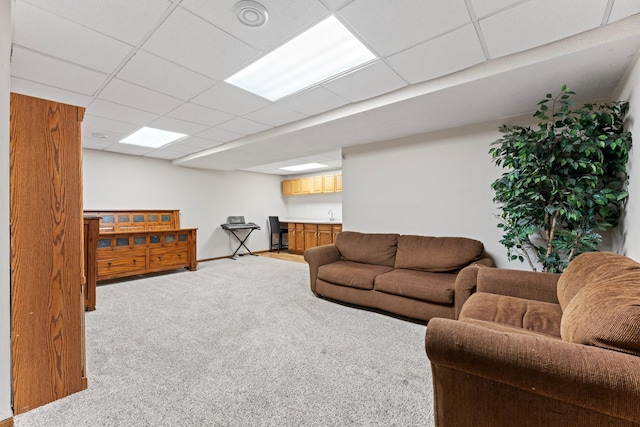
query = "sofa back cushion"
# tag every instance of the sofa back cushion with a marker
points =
(606, 312)
(368, 248)
(437, 254)
(587, 268)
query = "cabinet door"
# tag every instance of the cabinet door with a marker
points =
(46, 225)
(286, 188)
(335, 229)
(296, 186)
(316, 182)
(306, 185)
(310, 236)
(292, 238)
(325, 234)
(300, 237)
(338, 182)
(328, 183)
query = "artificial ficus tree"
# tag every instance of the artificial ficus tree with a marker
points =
(565, 181)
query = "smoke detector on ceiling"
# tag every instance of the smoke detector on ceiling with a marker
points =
(251, 13)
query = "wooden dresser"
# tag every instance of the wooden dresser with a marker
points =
(142, 241)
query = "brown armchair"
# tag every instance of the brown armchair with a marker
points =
(536, 349)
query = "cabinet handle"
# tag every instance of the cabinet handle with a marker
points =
(109, 263)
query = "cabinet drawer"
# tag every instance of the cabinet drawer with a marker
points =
(111, 268)
(324, 227)
(163, 258)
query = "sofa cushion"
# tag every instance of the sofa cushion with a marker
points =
(535, 316)
(351, 274)
(437, 254)
(607, 313)
(584, 269)
(368, 248)
(419, 285)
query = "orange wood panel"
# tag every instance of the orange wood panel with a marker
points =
(47, 307)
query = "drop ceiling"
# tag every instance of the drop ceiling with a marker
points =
(441, 64)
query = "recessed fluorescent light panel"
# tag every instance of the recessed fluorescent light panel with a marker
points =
(304, 167)
(150, 137)
(322, 52)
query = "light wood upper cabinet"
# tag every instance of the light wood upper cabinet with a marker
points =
(329, 183)
(287, 189)
(296, 187)
(312, 185)
(316, 184)
(306, 185)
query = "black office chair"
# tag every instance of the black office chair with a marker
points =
(274, 226)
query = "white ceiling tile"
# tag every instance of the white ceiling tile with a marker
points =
(125, 93)
(287, 18)
(179, 148)
(275, 115)
(483, 8)
(200, 143)
(199, 114)
(108, 125)
(243, 126)
(67, 40)
(536, 23)
(176, 125)
(190, 41)
(219, 135)
(89, 133)
(33, 66)
(122, 113)
(335, 4)
(623, 8)
(164, 154)
(125, 20)
(129, 149)
(94, 144)
(367, 82)
(433, 59)
(38, 90)
(229, 99)
(389, 27)
(313, 101)
(167, 77)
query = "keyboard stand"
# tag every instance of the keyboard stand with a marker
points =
(241, 240)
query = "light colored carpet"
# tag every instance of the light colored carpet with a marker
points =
(242, 343)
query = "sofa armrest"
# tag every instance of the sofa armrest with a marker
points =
(486, 261)
(599, 380)
(466, 284)
(318, 256)
(520, 284)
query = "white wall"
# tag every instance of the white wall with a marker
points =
(435, 184)
(5, 285)
(314, 206)
(629, 89)
(205, 198)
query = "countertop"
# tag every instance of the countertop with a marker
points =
(311, 221)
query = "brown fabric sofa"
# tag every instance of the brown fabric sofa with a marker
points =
(412, 276)
(536, 349)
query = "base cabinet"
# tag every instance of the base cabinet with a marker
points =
(308, 235)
